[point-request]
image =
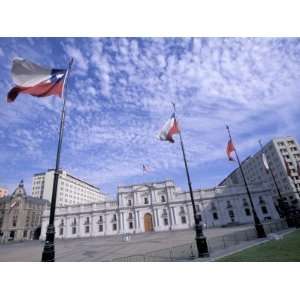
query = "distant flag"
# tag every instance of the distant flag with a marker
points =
(288, 170)
(170, 128)
(265, 162)
(15, 203)
(230, 148)
(30, 78)
(146, 169)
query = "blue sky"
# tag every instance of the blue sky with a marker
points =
(120, 95)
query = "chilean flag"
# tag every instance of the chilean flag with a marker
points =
(230, 148)
(32, 79)
(169, 129)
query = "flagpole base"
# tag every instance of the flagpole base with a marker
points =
(260, 231)
(201, 242)
(48, 254)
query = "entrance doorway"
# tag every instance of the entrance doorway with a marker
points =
(11, 236)
(37, 233)
(148, 224)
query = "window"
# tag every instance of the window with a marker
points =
(73, 230)
(100, 228)
(183, 220)
(229, 204)
(61, 231)
(14, 222)
(182, 210)
(130, 216)
(114, 227)
(247, 212)
(163, 199)
(25, 234)
(215, 216)
(100, 219)
(245, 203)
(130, 225)
(197, 208)
(114, 218)
(264, 210)
(166, 221)
(231, 215)
(87, 229)
(146, 200)
(129, 203)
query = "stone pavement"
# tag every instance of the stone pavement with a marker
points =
(105, 248)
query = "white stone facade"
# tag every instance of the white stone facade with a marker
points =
(70, 190)
(276, 151)
(161, 207)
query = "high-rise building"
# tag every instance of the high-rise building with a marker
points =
(3, 192)
(277, 151)
(70, 190)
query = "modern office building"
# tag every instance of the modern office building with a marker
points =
(70, 190)
(161, 206)
(277, 151)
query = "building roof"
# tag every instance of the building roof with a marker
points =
(235, 170)
(146, 184)
(69, 175)
(29, 199)
(20, 191)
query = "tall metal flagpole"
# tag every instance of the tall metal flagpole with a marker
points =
(48, 254)
(258, 226)
(200, 238)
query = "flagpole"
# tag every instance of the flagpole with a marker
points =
(200, 237)
(48, 254)
(260, 232)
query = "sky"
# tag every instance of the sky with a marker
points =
(119, 96)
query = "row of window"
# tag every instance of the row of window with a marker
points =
(146, 200)
(87, 228)
(165, 220)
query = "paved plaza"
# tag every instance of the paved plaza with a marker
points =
(106, 248)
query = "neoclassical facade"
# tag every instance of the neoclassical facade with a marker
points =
(161, 206)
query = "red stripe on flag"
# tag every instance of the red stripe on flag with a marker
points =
(230, 149)
(173, 130)
(40, 90)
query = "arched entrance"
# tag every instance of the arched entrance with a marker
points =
(148, 224)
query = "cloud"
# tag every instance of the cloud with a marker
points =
(120, 94)
(80, 61)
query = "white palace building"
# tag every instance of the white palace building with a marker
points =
(161, 206)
